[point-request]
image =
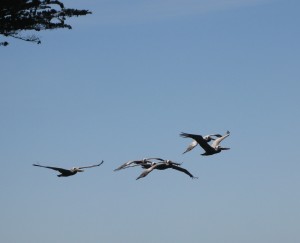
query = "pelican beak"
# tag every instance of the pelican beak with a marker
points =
(80, 170)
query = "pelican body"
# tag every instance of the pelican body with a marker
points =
(207, 138)
(209, 149)
(70, 172)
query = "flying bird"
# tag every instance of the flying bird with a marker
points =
(133, 163)
(209, 149)
(70, 172)
(163, 166)
(207, 138)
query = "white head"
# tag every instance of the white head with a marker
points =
(208, 138)
(218, 148)
(77, 169)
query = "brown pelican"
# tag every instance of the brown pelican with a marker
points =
(165, 165)
(70, 172)
(209, 149)
(133, 163)
(207, 138)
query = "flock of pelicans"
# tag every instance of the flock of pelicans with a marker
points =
(150, 164)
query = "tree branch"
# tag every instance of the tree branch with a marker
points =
(37, 15)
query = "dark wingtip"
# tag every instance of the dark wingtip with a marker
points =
(140, 176)
(119, 168)
(185, 151)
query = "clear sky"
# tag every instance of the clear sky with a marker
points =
(122, 85)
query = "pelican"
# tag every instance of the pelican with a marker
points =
(209, 149)
(207, 138)
(168, 164)
(70, 172)
(133, 163)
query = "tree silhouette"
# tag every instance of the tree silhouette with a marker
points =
(19, 16)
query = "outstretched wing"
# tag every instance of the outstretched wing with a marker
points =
(199, 139)
(148, 170)
(90, 166)
(218, 140)
(128, 164)
(175, 167)
(133, 163)
(160, 159)
(215, 135)
(61, 170)
(191, 146)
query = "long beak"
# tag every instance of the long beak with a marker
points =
(80, 170)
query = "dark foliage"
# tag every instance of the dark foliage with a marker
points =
(19, 16)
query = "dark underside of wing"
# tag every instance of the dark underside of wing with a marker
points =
(182, 170)
(61, 170)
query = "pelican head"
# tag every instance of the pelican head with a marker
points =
(218, 148)
(77, 169)
(208, 138)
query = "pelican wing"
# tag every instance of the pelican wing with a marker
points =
(184, 171)
(199, 139)
(146, 161)
(61, 170)
(128, 164)
(148, 170)
(219, 140)
(191, 146)
(145, 173)
(146, 166)
(90, 166)
(215, 135)
(160, 159)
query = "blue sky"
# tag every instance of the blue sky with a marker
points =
(122, 85)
